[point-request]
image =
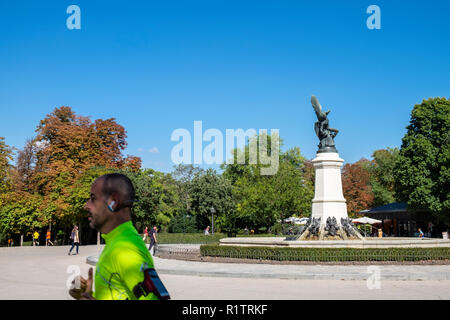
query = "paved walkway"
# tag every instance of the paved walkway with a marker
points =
(300, 272)
(220, 288)
(42, 273)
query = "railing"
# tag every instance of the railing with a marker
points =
(177, 250)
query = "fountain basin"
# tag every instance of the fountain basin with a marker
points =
(366, 243)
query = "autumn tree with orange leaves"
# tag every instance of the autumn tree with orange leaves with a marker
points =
(68, 144)
(52, 167)
(357, 187)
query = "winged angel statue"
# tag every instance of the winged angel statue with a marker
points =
(324, 132)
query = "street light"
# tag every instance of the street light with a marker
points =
(212, 218)
(185, 216)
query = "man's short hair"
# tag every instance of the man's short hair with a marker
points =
(121, 184)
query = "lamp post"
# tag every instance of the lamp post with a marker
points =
(185, 216)
(212, 219)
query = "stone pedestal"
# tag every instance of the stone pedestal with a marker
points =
(328, 199)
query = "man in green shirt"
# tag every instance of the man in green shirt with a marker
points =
(124, 258)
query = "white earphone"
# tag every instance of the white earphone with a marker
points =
(110, 206)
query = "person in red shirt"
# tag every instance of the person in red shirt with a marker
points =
(145, 233)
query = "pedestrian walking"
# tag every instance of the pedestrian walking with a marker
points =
(47, 238)
(35, 238)
(75, 239)
(145, 234)
(207, 231)
(421, 235)
(153, 240)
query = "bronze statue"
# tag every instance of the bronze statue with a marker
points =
(324, 132)
(332, 226)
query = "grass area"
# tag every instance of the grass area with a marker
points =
(326, 254)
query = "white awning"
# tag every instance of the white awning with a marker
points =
(366, 220)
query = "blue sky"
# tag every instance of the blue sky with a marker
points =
(157, 66)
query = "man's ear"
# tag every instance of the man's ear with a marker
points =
(113, 203)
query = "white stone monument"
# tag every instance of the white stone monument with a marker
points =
(329, 209)
(328, 199)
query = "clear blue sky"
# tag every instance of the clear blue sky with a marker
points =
(159, 65)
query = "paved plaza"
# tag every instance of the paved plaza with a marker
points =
(42, 273)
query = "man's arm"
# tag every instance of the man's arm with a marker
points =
(130, 262)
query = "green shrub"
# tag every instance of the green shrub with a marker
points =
(188, 238)
(195, 238)
(326, 254)
(277, 228)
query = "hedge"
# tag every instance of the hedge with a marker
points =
(325, 254)
(196, 238)
(262, 235)
(188, 238)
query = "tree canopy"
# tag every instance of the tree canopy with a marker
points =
(422, 172)
(209, 190)
(262, 200)
(6, 155)
(382, 177)
(356, 186)
(53, 172)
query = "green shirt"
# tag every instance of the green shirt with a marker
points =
(120, 265)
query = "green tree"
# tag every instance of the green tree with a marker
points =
(21, 212)
(183, 175)
(79, 193)
(157, 199)
(382, 175)
(422, 172)
(209, 189)
(183, 223)
(262, 200)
